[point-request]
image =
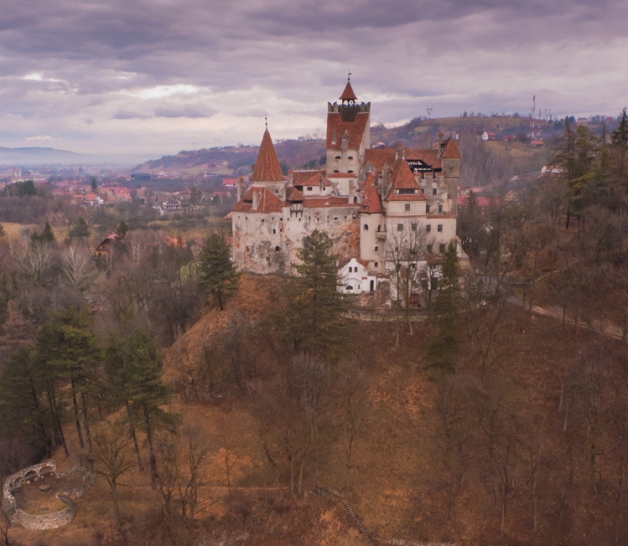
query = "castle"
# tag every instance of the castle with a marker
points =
(371, 202)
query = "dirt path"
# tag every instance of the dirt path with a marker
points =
(601, 327)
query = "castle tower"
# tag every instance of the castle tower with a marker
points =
(348, 136)
(267, 170)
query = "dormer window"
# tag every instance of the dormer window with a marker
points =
(309, 188)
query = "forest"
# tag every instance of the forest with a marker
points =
(225, 408)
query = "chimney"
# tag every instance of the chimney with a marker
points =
(385, 181)
(240, 187)
(399, 153)
(255, 200)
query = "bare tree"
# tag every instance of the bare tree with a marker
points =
(77, 268)
(405, 253)
(113, 460)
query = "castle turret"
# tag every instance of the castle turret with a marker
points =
(267, 170)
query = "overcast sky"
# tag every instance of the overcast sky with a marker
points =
(159, 76)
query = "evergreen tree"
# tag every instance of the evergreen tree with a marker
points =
(94, 185)
(122, 228)
(134, 369)
(45, 237)
(67, 350)
(219, 276)
(80, 230)
(443, 349)
(22, 403)
(315, 306)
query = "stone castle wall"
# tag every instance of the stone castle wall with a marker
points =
(17, 516)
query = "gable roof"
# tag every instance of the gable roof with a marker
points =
(268, 201)
(378, 157)
(309, 178)
(348, 93)
(451, 150)
(355, 129)
(403, 179)
(292, 194)
(371, 203)
(267, 168)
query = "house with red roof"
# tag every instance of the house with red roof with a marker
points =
(367, 200)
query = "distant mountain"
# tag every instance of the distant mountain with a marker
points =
(51, 156)
(37, 155)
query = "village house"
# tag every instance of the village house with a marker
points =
(369, 202)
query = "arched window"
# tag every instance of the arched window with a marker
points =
(277, 249)
(349, 287)
(366, 227)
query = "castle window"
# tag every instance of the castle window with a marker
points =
(366, 227)
(349, 287)
(427, 209)
(350, 171)
(262, 220)
(350, 269)
(276, 249)
(350, 157)
(413, 227)
(376, 248)
(428, 228)
(439, 228)
(274, 231)
(309, 188)
(440, 208)
(433, 191)
(441, 248)
(429, 248)
(407, 207)
(399, 227)
(338, 157)
(336, 171)
(376, 264)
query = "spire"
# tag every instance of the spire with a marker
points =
(348, 94)
(267, 168)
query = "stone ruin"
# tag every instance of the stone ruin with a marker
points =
(34, 473)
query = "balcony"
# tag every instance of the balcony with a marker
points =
(380, 235)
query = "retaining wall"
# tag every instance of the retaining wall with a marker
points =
(34, 473)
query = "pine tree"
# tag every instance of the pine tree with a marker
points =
(67, 350)
(315, 306)
(80, 230)
(137, 377)
(22, 403)
(219, 276)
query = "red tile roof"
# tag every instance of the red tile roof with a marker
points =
(451, 150)
(403, 179)
(309, 178)
(348, 93)
(371, 203)
(319, 202)
(267, 168)
(268, 201)
(380, 156)
(355, 129)
(292, 194)
(428, 156)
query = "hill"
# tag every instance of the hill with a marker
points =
(485, 162)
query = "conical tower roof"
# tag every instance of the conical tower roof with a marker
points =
(348, 93)
(267, 168)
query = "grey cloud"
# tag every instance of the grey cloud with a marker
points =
(185, 111)
(129, 114)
